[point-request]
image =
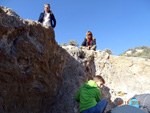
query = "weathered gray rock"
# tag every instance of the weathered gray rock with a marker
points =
(31, 65)
(38, 76)
(128, 75)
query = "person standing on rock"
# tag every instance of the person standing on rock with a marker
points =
(89, 42)
(89, 96)
(47, 17)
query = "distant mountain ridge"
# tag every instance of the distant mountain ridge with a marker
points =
(143, 52)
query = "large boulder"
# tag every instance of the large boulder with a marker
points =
(31, 65)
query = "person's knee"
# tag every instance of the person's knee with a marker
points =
(93, 47)
(105, 101)
(82, 47)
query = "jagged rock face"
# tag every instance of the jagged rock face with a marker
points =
(128, 75)
(38, 76)
(31, 65)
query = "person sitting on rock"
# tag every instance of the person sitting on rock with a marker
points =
(89, 42)
(47, 18)
(89, 96)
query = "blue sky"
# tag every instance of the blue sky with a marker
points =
(116, 24)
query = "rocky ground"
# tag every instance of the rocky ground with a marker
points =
(39, 76)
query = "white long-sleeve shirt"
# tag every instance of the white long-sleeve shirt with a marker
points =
(46, 19)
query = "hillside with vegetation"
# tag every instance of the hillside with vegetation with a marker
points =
(143, 52)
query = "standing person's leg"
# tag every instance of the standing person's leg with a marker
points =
(101, 105)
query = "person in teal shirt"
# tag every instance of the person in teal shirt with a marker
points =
(89, 96)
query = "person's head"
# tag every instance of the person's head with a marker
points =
(47, 8)
(89, 35)
(99, 81)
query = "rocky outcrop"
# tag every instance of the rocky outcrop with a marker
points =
(38, 76)
(128, 75)
(31, 65)
(142, 52)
